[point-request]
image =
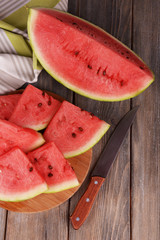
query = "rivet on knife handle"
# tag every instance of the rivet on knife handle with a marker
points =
(85, 203)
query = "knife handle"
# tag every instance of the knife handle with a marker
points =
(85, 203)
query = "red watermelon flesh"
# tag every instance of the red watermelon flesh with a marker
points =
(12, 135)
(19, 179)
(34, 109)
(53, 167)
(85, 58)
(7, 104)
(73, 130)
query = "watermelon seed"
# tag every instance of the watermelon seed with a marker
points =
(59, 19)
(89, 66)
(43, 93)
(73, 135)
(104, 72)
(76, 53)
(80, 129)
(31, 169)
(50, 167)
(74, 23)
(50, 174)
(122, 82)
(98, 70)
(127, 52)
(39, 104)
(141, 68)
(91, 114)
(49, 102)
(122, 53)
(35, 159)
(82, 110)
(127, 57)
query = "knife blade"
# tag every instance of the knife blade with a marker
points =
(102, 168)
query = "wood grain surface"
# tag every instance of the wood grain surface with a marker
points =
(128, 204)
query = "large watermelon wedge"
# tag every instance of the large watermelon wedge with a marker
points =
(12, 135)
(19, 180)
(74, 130)
(53, 167)
(85, 58)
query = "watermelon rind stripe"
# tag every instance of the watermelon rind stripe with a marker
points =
(63, 186)
(40, 141)
(17, 197)
(82, 92)
(98, 135)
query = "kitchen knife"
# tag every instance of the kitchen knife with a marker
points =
(101, 169)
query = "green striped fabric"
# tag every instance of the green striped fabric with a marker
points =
(18, 63)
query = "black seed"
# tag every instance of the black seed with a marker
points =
(76, 53)
(35, 159)
(39, 104)
(89, 66)
(141, 68)
(49, 102)
(59, 19)
(122, 53)
(105, 42)
(122, 82)
(91, 114)
(74, 23)
(91, 34)
(80, 129)
(104, 72)
(31, 169)
(50, 167)
(43, 94)
(82, 110)
(127, 57)
(50, 174)
(98, 70)
(73, 135)
(127, 52)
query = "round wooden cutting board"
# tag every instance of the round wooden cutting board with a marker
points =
(46, 201)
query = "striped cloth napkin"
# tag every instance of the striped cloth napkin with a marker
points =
(18, 64)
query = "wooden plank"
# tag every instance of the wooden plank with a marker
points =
(110, 216)
(3, 216)
(145, 137)
(50, 224)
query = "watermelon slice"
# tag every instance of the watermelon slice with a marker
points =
(53, 167)
(19, 180)
(7, 104)
(74, 130)
(85, 58)
(12, 135)
(34, 109)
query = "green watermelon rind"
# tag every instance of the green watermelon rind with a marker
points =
(63, 186)
(40, 141)
(73, 87)
(98, 135)
(18, 197)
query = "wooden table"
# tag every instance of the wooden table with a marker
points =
(128, 204)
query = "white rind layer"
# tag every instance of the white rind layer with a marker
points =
(38, 143)
(98, 135)
(17, 197)
(63, 186)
